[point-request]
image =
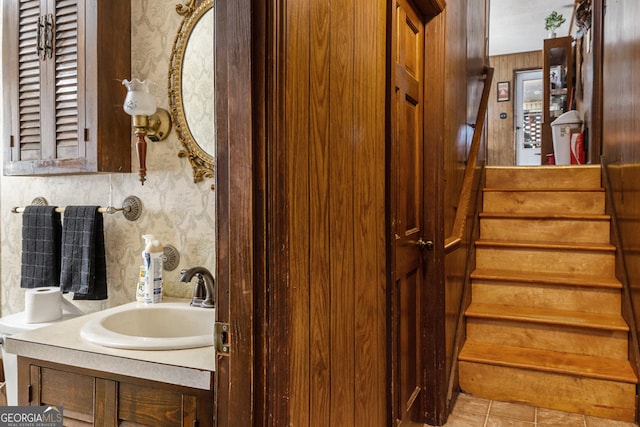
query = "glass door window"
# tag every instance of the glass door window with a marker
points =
(528, 106)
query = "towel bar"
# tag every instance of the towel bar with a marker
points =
(131, 207)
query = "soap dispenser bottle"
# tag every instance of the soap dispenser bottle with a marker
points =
(152, 257)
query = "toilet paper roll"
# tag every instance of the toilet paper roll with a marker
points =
(43, 305)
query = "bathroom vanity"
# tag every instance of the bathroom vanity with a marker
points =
(103, 399)
(106, 386)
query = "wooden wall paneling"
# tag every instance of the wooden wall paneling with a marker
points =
(342, 320)
(296, 128)
(457, 137)
(620, 125)
(369, 214)
(326, 214)
(322, 325)
(500, 140)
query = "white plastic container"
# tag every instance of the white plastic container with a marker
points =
(152, 256)
(561, 131)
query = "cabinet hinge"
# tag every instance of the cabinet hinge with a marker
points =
(12, 142)
(29, 393)
(195, 423)
(86, 134)
(221, 338)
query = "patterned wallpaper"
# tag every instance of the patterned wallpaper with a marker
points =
(176, 210)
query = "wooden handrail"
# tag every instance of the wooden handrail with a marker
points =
(459, 225)
(464, 201)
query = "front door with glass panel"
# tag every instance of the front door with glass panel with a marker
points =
(528, 120)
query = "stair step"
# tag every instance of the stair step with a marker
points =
(595, 386)
(578, 292)
(545, 215)
(549, 361)
(590, 396)
(585, 201)
(578, 319)
(594, 334)
(547, 177)
(552, 257)
(545, 227)
(574, 279)
(594, 247)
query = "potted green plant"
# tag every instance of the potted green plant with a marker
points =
(553, 22)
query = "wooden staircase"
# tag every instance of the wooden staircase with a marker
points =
(544, 325)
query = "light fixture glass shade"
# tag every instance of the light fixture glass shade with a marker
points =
(139, 102)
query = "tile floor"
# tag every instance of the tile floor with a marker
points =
(475, 412)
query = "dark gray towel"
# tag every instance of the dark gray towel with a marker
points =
(84, 269)
(41, 230)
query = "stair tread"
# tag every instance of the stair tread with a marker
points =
(546, 245)
(601, 321)
(542, 189)
(541, 216)
(573, 279)
(549, 361)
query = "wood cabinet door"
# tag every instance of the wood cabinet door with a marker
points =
(45, 79)
(62, 63)
(151, 406)
(73, 391)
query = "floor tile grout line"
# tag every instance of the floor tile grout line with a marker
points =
(486, 418)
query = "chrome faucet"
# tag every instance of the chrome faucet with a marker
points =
(204, 283)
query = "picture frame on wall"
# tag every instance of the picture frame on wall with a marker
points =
(503, 91)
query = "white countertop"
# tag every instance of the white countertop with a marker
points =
(61, 343)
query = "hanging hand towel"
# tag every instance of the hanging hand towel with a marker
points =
(84, 270)
(41, 230)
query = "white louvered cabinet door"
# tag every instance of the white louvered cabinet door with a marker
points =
(62, 70)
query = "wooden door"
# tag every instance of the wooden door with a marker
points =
(406, 191)
(239, 244)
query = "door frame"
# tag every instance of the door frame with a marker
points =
(240, 50)
(434, 319)
(406, 218)
(519, 78)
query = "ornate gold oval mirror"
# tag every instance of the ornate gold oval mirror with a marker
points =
(191, 86)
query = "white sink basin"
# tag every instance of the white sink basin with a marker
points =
(165, 326)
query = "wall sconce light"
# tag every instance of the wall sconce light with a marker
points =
(148, 121)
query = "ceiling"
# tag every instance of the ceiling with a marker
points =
(518, 25)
